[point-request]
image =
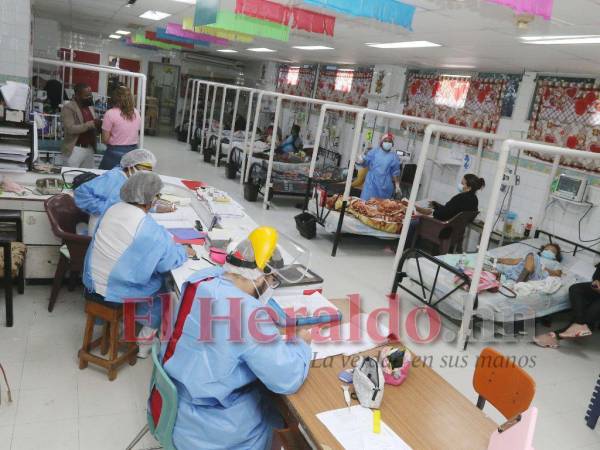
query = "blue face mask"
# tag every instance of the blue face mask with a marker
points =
(548, 255)
(460, 187)
(387, 146)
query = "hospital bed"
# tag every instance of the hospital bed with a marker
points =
(436, 282)
(290, 177)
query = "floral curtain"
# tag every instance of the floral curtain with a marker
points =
(296, 80)
(467, 102)
(567, 114)
(359, 80)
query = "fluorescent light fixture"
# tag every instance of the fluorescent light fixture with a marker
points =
(115, 36)
(571, 41)
(261, 50)
(457, 66)
(155, 15)
(123, 32)
(552, 38)
(189, 2)
(227, 50)
(312, 47)
(406, 44)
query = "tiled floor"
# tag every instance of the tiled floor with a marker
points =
(57, 406)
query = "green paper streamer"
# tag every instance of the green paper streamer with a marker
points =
(230, 21)
(143, 40)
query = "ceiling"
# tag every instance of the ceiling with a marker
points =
(473, 33)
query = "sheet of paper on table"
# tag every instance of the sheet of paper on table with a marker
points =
(353, 429)
(345, 346)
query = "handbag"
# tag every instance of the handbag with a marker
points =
(368, 382)
(488, 282)
(78, 180)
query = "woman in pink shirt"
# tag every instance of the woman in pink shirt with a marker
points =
(120, 128)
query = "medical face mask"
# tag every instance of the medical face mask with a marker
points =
(387, 146)
(266, 295)
(547, 254)
(460, 187)
(87, 101)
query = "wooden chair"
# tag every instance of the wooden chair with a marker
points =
(498, 380)
(288, 439)
(64, 216)
(110, 341)
(447, 236)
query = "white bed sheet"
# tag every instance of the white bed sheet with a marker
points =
(496, 305)
(351, 225)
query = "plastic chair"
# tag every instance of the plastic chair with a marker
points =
(163, 431)
(64, 216)
(448, 236)
(516, 434)
(498, 380)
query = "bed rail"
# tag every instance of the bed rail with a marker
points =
(577, 247)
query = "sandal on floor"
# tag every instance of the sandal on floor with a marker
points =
(577, 335)
(548, 340)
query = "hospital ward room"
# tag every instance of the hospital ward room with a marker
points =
(300, 224)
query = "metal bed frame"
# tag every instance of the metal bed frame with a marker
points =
(465, 280)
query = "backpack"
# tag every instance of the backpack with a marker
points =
(368, 382)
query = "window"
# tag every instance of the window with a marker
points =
(343, 80)
(292, 76)
(452, 92)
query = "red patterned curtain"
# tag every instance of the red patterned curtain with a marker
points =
(467, 102)
(567, 114)
(329, 80)
(296, 80)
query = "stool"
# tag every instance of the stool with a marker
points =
(109, 342)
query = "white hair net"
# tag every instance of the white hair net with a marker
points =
(139, 156)
(141, 188)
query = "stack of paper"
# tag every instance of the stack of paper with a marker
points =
(353, 428)
(13, 156)
(15, 95)
(230, 209)
(14, 131)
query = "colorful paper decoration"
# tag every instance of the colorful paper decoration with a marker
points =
(389, 11)
(141, 39)
(154, 37)
(129, 43)
(188, 25)
(265, 10)
(305, 20)
(542, 8)
(176, 30)
(230, 21)
(565, 113)
(206, 12)
(297, 18)
(163, 36)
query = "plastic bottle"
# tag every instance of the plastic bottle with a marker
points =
(460, 265)
(528, 227)
(509, 222)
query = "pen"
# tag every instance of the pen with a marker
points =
(347, 396)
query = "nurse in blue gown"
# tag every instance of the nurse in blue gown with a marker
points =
(383, 178)
(225, 388)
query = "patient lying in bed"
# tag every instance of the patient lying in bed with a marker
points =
(534, 266)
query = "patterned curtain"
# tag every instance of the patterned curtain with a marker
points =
(567, 114)
(467, 102)
(296, 80)
(329, 80)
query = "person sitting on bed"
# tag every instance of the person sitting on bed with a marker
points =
(585, 307)
(293, 143)
(534, 267)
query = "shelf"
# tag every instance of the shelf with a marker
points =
(571, 202)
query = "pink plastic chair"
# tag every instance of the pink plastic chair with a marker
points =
(519, 436)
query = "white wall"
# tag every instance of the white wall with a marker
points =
(15, 40)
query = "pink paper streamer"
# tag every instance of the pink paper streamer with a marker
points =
(176, 29)
(542, 8)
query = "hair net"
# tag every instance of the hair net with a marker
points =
(387, 136)
(139, 156)
(141, 188)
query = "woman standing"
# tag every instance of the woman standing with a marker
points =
(120, 128)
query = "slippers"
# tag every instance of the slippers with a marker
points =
(577, 335)
(548, 340)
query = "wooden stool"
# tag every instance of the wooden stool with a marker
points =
(109, 342)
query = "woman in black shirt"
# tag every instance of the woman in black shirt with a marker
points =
(466, 200)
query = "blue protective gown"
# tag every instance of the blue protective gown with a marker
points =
(291, 144)
(139, 271)
(382, 167)
(99, 194)
(222, 385)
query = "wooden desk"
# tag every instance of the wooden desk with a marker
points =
(425, 411)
